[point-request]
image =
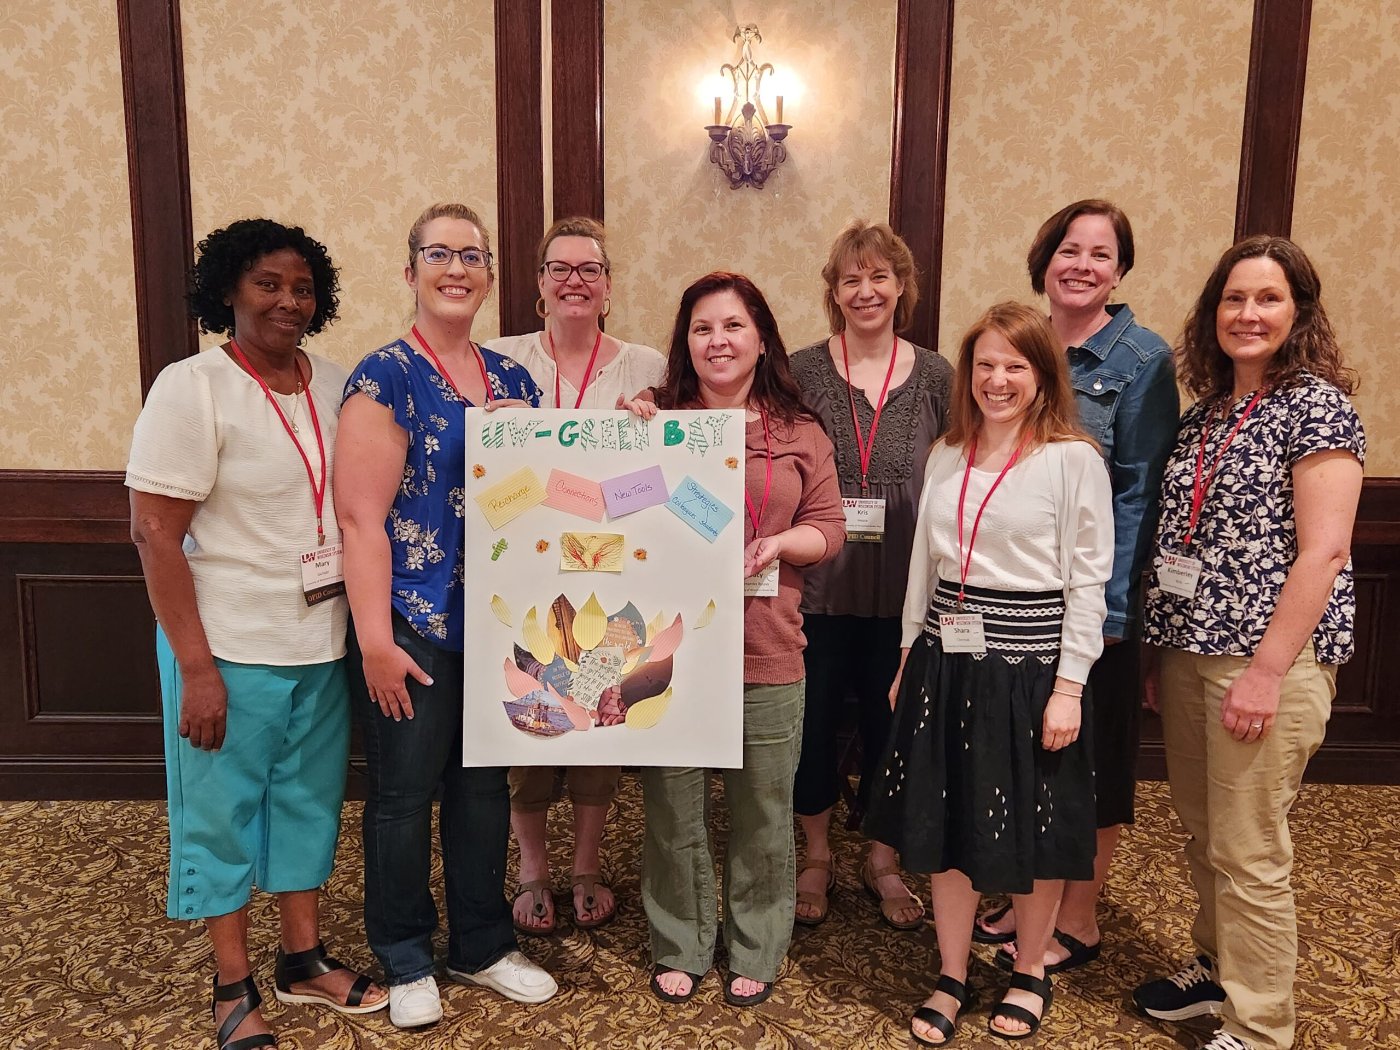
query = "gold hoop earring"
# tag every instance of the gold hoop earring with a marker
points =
(607, 307)
(540, 311)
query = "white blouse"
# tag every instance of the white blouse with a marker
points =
(635, 368)
(208, 434)
(1048, 527)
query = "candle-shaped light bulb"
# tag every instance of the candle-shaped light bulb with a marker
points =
(717, 113)
(780, 109)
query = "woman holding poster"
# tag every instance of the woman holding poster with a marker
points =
(403, 453)
(726, 353)
(884, 401)
(579, 367)
(987, 782)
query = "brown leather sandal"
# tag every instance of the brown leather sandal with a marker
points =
(820, 901)
(537, 888)
(590, 883)
(891, 906)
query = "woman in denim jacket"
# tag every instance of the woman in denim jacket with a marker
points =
(1125, 387)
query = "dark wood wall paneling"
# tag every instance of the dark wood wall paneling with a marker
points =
(519, 160)
(576, 49)
(1273, 117)
(923, 72)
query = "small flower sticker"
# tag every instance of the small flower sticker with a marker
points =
(478, 471)
(732, 463)
(640, 554)
(541, 546)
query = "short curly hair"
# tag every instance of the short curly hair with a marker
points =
(227, 253)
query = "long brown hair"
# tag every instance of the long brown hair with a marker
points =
(774, 390)
(1052, 416)
(1203, 367)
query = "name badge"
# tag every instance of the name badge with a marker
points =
(1179, 574)
(763, 584)
(865, 519)
(323, 573)
(961, 633)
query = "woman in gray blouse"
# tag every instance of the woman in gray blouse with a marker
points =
(883, 401)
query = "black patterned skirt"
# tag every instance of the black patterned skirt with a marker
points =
(964, 783)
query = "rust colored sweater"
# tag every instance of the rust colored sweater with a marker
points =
(804, 492)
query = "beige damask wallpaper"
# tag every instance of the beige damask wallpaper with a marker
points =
(1058, 100)
(72, 378)
(671, 215)
(1346, 210)
(347, 117)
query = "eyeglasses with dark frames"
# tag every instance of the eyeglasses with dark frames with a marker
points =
(588, 272)
(441, 255)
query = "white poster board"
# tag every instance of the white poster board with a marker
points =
(604, 588)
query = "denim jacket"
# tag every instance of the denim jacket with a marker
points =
(1125, 386)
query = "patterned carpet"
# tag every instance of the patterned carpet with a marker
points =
(88, 961)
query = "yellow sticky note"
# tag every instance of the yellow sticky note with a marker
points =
(510, 497)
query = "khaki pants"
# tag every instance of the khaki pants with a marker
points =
(1233, 799)
(760, 878)
(532, 787)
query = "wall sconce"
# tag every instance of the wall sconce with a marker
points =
(743, 143)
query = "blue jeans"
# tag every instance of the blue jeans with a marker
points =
(408, 761)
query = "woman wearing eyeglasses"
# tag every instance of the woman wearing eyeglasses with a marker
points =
(402, 449)
(578, 367)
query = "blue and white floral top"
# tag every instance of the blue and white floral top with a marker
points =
(426, 524)
(1247, 537)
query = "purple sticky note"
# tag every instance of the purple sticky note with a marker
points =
(629, 493)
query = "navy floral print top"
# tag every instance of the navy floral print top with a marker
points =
(426, 524)
(1247, 537)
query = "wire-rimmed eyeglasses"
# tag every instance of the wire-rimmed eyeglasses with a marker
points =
(588, 272)
(441, 255)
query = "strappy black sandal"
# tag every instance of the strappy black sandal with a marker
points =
(672, 997)
(312, 963)
(939, 1021)
(249, 1000)
(1011, 1012)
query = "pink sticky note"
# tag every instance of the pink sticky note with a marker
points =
(629, 493)
(574, 495)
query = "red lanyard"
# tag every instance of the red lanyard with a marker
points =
(757, 516)
(485, 382)
(1201, 482)
(587, 374)
(866, 451)
(965, 563)
(318, 492)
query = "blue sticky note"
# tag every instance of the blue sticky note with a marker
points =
(699, 508)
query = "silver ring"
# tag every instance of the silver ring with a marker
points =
(1256, 725)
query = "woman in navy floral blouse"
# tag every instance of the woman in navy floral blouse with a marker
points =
(1251, 606)
(402, 448)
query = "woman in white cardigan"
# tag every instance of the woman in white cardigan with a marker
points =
(987, 781)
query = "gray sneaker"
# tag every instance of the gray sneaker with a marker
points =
(1190, 992)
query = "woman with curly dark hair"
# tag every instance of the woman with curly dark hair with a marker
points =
(726, 353)
(1250, 609)
(230, 478)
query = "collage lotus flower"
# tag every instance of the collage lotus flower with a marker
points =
(579, 669)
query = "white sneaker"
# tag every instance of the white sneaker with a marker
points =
(415, 1004)
(514, 976)
(1223, 1040)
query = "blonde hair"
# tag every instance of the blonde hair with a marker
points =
(442, 211)
(574, 226)
(859, 244)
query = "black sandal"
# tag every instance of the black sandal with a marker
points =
(985, 936)
(734, 999)
(1011, 1012)
(1080, 954)
(671, 997)
(936, 1019)
(249, 1000)
(312, 963)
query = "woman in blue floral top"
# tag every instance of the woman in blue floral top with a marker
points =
(1251, 605)
(402, 449)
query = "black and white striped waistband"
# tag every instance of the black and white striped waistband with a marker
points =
(1013, 621)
